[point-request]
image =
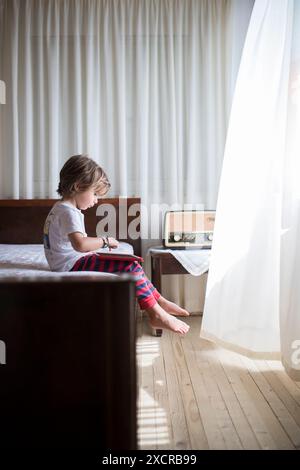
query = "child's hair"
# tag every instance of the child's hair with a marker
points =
(85, 172)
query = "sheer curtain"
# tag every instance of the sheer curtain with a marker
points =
(252, 303)
(143, 86)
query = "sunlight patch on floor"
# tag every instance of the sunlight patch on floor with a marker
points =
(153, 430)
(152, 426)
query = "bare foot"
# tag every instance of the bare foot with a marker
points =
(159, 318)
(172, 308)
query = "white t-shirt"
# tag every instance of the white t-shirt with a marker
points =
(62, 220)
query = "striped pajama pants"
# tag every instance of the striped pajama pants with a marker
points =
(146, 293)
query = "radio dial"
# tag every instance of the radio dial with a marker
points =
(177, 238)
(210, 237)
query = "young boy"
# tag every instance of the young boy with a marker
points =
(68, 248)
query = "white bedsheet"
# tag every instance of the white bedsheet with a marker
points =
(21, 261)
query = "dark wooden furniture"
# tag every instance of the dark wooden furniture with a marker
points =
(22, 220)
(70, 374)
(70, 377)
(163, 263)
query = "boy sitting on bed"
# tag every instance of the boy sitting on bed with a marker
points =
(82, 181)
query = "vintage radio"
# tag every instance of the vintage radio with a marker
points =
(189, 229)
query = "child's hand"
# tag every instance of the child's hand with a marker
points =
(113, 243)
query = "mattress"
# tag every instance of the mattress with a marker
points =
(22, 261)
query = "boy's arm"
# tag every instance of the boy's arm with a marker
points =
(85, 244)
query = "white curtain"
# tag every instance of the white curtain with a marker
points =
(253, 300)
(143, 86)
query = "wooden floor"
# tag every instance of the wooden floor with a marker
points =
(196, 395)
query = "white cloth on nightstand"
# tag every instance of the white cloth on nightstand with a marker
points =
(196, 262)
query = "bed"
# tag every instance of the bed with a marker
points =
(25, 261)
(68, 368)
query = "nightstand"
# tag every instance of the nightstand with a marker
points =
(163, 262)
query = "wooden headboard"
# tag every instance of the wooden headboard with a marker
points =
(22, 220)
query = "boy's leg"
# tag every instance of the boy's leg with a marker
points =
(159, 319)
(152, 301)
(172, 308)
(146, 293)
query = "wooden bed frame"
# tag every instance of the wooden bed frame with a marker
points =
(22, 220)
(69, 377)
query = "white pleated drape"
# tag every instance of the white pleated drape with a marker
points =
(143, 86)
(252, 301)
